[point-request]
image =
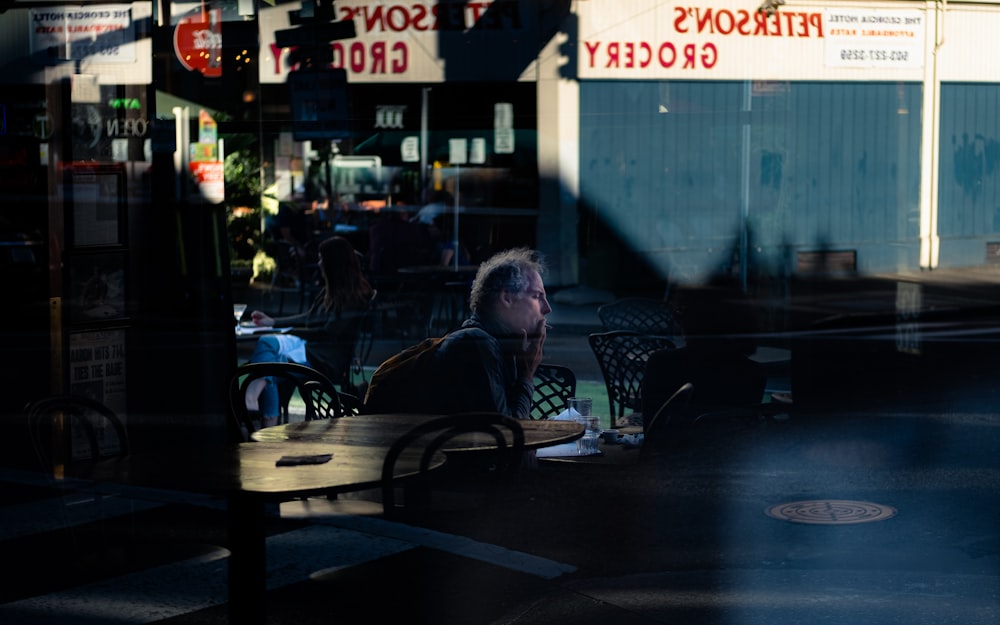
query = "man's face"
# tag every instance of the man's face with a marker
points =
(526, 310)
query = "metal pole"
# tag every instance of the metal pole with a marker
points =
(745, 187)
(458, 182)
(423, 143)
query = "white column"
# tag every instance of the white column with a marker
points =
(558, 102)
(929, 150)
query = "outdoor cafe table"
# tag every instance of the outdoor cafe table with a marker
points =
(248, 478)
(383, 429)
(246, 475)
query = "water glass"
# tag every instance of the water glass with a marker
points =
(580, 409)
(587, 445)
(579, 406)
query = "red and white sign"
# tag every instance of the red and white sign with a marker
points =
(198, 42)
(731, 40)
(397, 41)
(208, 175)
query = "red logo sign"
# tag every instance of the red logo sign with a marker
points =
(198, 43)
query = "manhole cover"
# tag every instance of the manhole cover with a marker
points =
(831, 512)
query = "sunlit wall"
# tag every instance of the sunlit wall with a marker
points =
(680, 168)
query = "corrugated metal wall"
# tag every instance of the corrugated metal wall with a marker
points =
(830, 165)
(969, 197)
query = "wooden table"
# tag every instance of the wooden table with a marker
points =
(383, 429)
(259, 481)
(248, 478)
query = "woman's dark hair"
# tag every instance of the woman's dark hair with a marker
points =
(346, 285)
(509, 270)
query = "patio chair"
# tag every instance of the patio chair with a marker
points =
(726, 398)
(322, 399)
(442, 434)
(724, 381)
(76, 439)
(340, 348)
(641, 314)
(622, 356)
(76, 433)
(503, 461)
(554, 384)
(655, 437)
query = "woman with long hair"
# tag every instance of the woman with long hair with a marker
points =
(324, 336)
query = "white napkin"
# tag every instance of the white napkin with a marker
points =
(566, 415)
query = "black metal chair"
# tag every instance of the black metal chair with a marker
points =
(76, 433)
(504, 460)
(622, 357)
(641, 314)
(554, 384)
(725, 381)
(321, 397)
(655, 436)
(340, 348)
(352, 404)
(427, 440)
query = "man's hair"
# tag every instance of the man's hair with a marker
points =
(509, 270)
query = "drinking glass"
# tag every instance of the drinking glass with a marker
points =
(238, 310)
(580, 409)
(581, 406)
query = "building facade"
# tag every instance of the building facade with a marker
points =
(634, 142)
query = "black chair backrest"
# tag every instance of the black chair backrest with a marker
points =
(431, 437)
(321, 398)
(75, 431)
(554, 384)
(622, 357)
(342, 346)
(654, 434)
(723, 378)
(351, 404)
(640, 314)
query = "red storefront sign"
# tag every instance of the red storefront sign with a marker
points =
(198, 43)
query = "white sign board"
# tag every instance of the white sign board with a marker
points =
(503, 140)
(409, 149)
(458, 151)
(731, 40)
(101, 32)
(477, 151)
(874, 38)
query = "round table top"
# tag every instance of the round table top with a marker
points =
(384, 429)
(350, 467)
(315, 468)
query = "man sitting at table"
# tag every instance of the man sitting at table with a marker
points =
(486, 365)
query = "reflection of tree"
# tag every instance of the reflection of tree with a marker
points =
(974, 159)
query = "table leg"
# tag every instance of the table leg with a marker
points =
(247, 560)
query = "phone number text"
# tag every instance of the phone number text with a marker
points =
(899, 56)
